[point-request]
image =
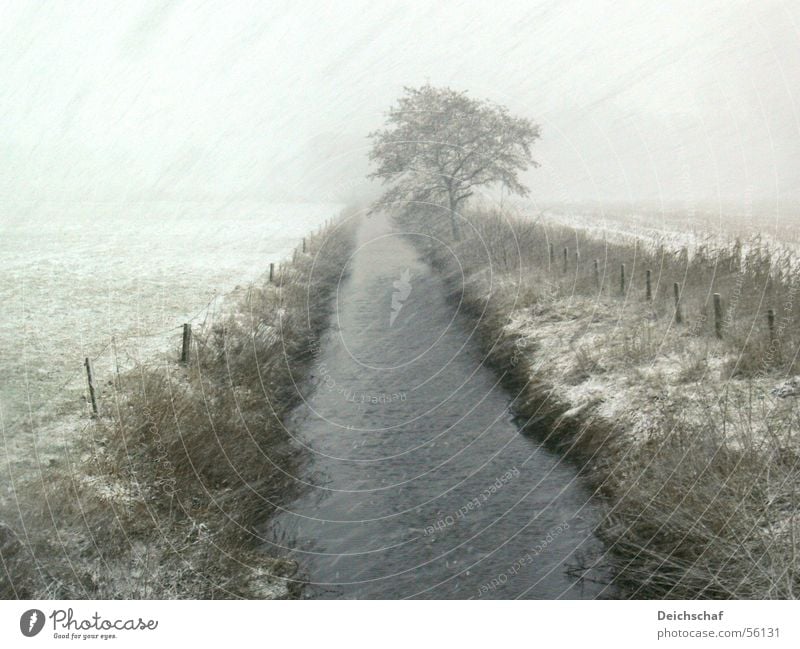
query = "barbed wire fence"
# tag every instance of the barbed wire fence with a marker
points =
(96, 372)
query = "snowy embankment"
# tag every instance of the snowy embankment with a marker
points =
(687, 429)
(160, 494)
(115, 282)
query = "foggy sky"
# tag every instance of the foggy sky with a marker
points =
(683, 100)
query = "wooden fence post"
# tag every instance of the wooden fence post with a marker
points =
(597, 273)
(677, 290)
(649, 289)
(718, 315)
(622, 279)
(566, 252)
(90, 378)
(271, 272)
(187, 343)
(304, 245)
(771, 324)
(552, 256)
(118, 380)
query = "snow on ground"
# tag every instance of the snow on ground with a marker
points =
(592, 357)
(77, 276)
(675, 230)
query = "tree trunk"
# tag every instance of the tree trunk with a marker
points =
(454, 219)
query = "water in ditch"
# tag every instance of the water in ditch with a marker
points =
(420, 484)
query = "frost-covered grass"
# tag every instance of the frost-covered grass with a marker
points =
(76, 275)
(692, 449)
(161, 495)
(675, 226)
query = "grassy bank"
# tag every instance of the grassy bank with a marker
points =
(689, 437)
(161, 494)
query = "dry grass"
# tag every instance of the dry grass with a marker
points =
(162, 496)
(692, 516)
(696, 462)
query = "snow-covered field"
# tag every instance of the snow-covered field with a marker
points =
(674, 228)
(76, 275)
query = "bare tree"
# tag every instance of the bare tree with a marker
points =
(439, 144)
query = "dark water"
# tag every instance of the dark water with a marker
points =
(423, 486)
